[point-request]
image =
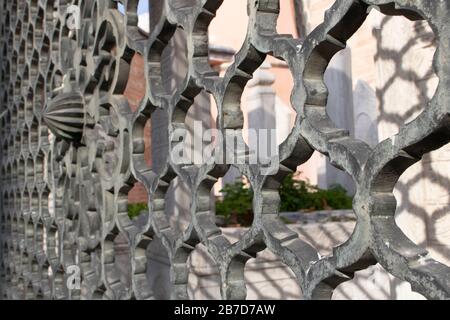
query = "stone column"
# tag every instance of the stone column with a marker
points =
(261, 115)
(338, 78)
(365, 113)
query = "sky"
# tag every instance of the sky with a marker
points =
(143, 7)
(144, 16)
(144, 19)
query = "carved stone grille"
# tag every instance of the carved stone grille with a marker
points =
(72, 148)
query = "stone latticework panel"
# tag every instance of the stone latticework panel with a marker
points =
(72, 148)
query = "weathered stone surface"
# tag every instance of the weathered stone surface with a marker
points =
(87, 228)
(268, 278)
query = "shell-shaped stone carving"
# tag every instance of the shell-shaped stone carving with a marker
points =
(64, 115)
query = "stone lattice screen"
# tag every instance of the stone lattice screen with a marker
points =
(72, 148)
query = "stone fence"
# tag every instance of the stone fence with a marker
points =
(72, 148)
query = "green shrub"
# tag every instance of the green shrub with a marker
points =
(336, 198)
(135, 209)
(236, 202)
(298, 195)
(295, 195)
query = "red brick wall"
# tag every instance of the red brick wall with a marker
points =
(135, 92)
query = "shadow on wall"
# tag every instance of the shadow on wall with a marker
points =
(407, 82)
(340, 110)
